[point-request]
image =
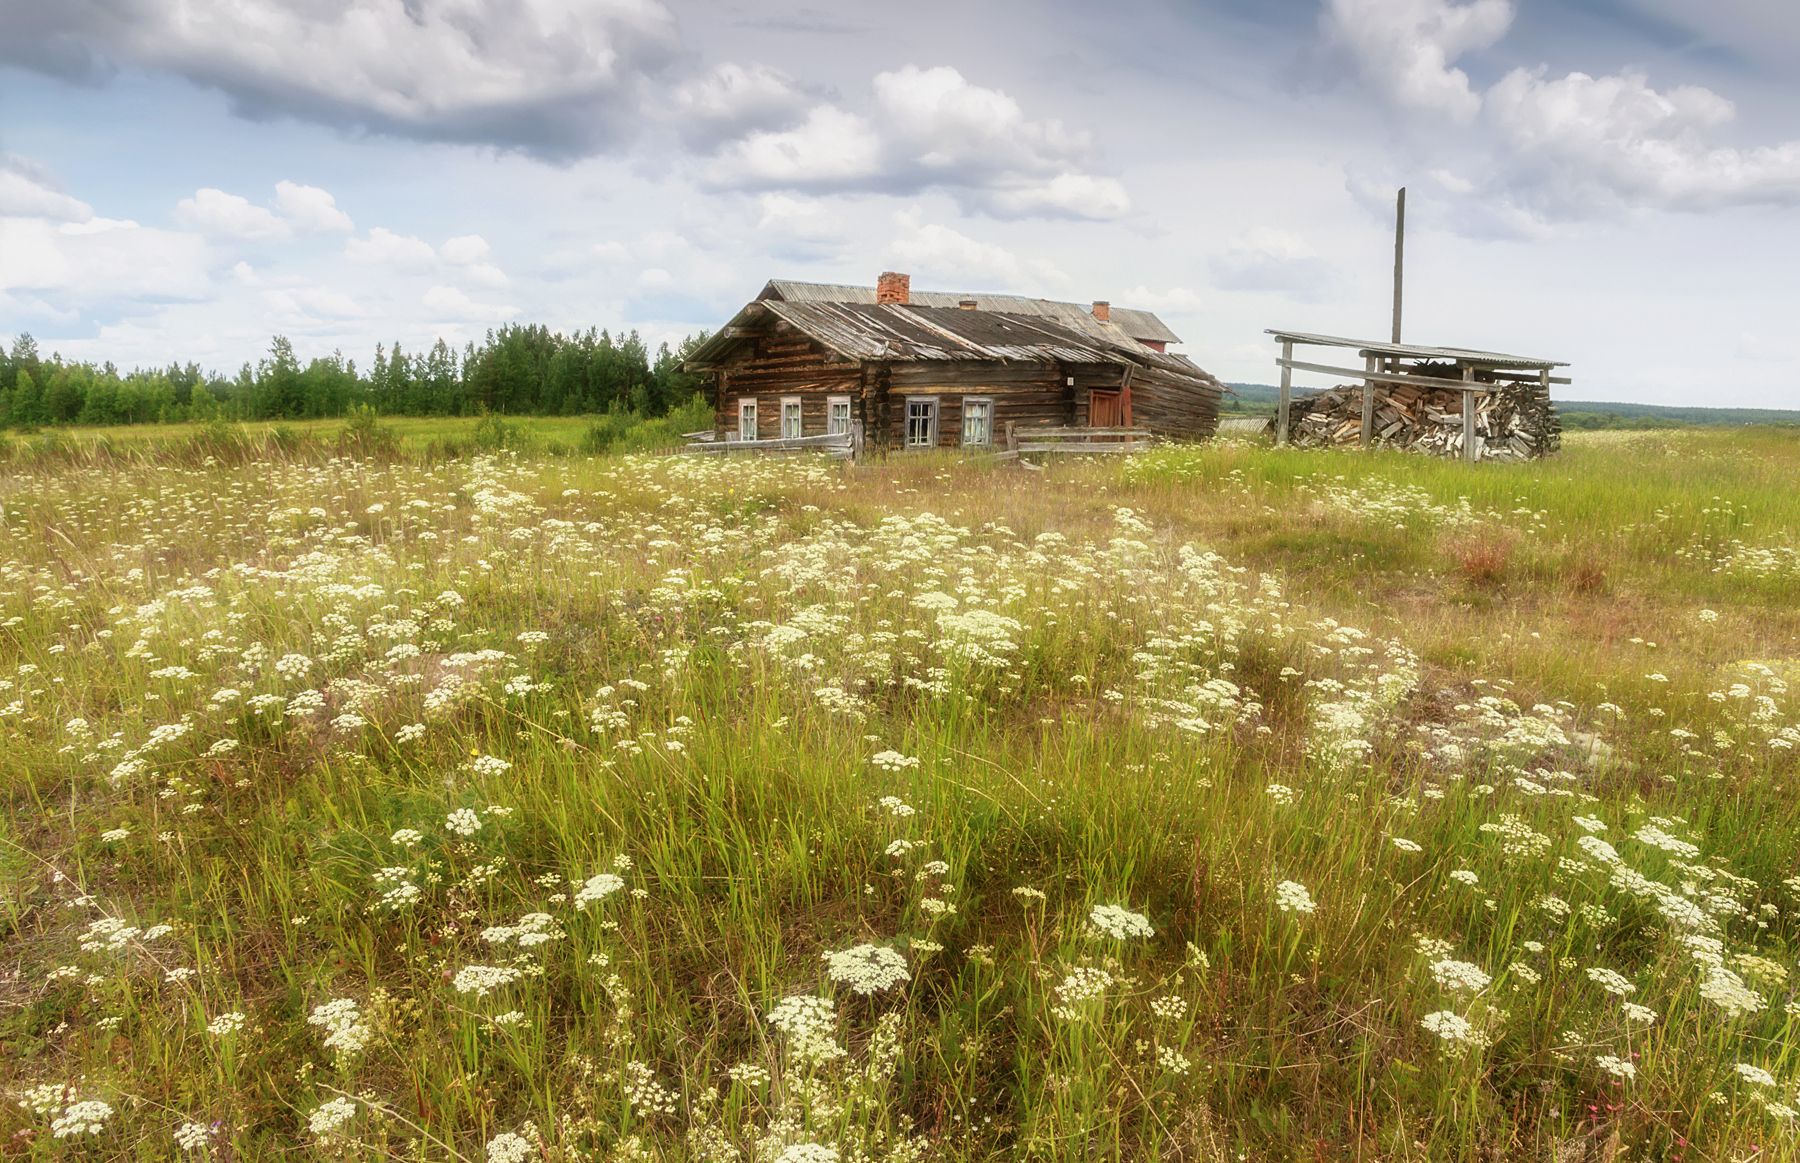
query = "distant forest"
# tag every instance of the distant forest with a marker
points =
(1576, 414)
(517, 370)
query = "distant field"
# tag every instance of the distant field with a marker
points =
(415, 432)
(1225, 803)
(1576, 414)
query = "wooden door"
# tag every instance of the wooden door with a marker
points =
(1106, 410)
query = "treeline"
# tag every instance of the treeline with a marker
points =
(517, 370)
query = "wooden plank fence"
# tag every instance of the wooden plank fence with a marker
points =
(843, 445)
(1084, 441)
(1019, 441)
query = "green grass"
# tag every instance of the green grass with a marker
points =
(440, 437)
(941, 708)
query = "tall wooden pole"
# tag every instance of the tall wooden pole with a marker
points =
(1399, 256)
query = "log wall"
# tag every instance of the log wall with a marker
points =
(1174, 406)
(1026, 395)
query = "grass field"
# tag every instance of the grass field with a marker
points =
(428, 437)
(1224, 803)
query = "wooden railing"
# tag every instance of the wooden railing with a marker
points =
(837, 444)
(1076, 440)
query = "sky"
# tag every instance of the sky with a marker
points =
(1614, 183)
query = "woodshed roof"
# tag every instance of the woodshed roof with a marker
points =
(1133, 323)
(1468, 355)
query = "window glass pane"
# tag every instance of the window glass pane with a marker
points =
(838, 419)
(978, 423)
(790, 419)
(920, 420)
(747, 420)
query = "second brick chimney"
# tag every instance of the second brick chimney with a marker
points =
(893, 287)
(1102, 310)
(967, 304)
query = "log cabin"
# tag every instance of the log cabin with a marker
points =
(936, 370)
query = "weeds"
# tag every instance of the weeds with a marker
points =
(512, 806)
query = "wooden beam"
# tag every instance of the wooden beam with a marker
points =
(1286, 363)
(1386, 377)
(1469, 418)
(1368, 400)
(1537, 377)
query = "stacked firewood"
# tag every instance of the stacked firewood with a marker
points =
(1512, 422)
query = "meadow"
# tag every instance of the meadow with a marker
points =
(375, 794)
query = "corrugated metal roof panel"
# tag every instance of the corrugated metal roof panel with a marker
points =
(1128, 322)
(1497, 359)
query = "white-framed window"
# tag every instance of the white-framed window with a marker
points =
(746, 417)
(837, 415)
(921, 421)
(792, 426)
(978, 421)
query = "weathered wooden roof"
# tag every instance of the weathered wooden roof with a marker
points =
(1129, 321)
(905, 333)
(1468, 355)
(908, 333)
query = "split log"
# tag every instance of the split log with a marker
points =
(1513, 421)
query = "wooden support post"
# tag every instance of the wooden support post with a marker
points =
(1287, 392)
(1012, 436)
(1469, 417)
(1399, 256)
(1368, 416)
(856, 440)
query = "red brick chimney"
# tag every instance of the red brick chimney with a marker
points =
(967, 304)
(893, 287)
(1102, 310)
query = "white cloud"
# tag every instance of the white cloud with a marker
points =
(449, 303)
(465, 249)
(1406, 49)
(1265, 259)
(28, 191)
(1550, 148)
(101, 261)
(1064, 196)
(469, 253)
(830, 148)
(940, 255)
(1580, 143)
(383, 247)
(313, 302)
(800, 228)
(213, 211)
(550, 78)
(792, 215)
(931, 129)
(733, 100)
(310, 208)
(1172, 299)
(945, 122)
